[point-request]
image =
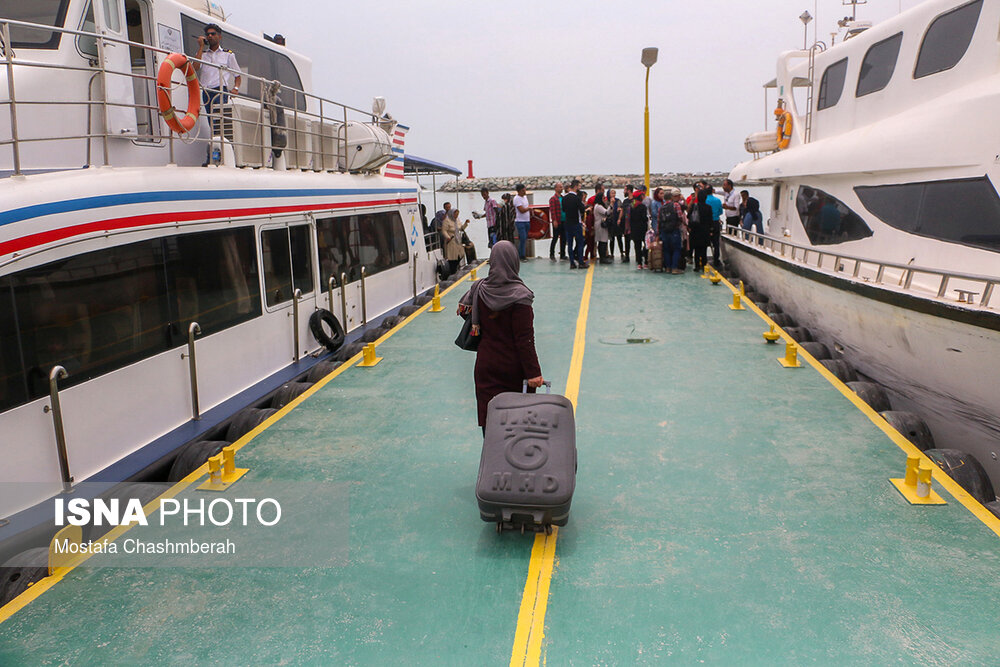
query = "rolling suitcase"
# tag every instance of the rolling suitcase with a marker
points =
(527, 472)
(656, 256)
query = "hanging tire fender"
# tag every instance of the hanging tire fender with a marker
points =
(331, 341)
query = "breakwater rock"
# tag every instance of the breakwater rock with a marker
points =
(617, 181)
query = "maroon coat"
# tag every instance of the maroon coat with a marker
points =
(506, 354)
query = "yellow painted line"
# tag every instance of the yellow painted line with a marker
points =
(960, 494)
(36, 590)
(531, 615)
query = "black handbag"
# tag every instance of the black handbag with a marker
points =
(466, 340)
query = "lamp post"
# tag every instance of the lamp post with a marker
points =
(805, 17)
(648, 60)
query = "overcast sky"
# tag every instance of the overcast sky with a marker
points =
(555, 87)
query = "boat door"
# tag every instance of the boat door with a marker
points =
(120, 112)
(287, 263)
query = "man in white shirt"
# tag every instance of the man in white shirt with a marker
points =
(522, 219)
(731, 204)
(215, 81)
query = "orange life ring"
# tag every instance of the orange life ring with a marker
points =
(163, 98)
(784, 127)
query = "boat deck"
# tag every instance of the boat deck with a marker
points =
(727, 510)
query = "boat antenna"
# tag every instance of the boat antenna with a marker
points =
(854, 8)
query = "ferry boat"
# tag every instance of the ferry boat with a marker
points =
(885, 221)
(150, 278)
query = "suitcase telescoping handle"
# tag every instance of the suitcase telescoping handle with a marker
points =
(547, 383)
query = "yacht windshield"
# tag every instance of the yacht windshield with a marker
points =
(44, 12)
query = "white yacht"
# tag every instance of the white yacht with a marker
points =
(885, 221)
(253, 237)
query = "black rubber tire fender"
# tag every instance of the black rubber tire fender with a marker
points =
(247, 420)
(408, 310)
(192, 456)
(773, 309)
(32, 566)
(322, 369)
(911, 427)
(287, 392)
(799, 334)
(423, 300)
(966, 470)
(349, 351)
(872, 394)
(994, 507)
(782, 320)
(331, 341)
(841, 369)
(390, 322)
(372, 335)
(819, 351)
(758, 299)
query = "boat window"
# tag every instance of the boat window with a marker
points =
(44, 12)
(302, 276)
(826, 219)
(254, 59)
(91, 313)
(87, 44)
(947, 39)
(878, 65)
(212, 279)
(12, 387)
(831, 85)
(277, 261)
(963, 210)
(376, 241)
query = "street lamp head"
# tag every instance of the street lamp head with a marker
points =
(805, 17)
(649, 56)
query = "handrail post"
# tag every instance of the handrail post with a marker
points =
(414, 276)
(59, 373)
(295, 320)
(943, 289)
(343, 300)
(329, 291)
(193, 330)
(104, 97)
(364, 300)
(987, 293)
(9, 57)
(879, 274)
(857, 268)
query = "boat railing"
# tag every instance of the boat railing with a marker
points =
(907, 277)
(246, 129)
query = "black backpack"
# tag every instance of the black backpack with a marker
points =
(668, 221)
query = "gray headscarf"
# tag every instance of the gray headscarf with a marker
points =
(503, 286)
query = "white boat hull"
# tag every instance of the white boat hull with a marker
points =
(926, 352)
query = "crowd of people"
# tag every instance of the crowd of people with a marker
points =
(591, 228)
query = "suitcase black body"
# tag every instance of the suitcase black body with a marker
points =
(527, 472)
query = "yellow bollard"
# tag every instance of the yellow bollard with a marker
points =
(716, 277)
(791, 358)
(706, 274)
(473, 274)
(743, 289)
(912, 463)
(436, 301)
(214, 482)
(369, 358)
(916, 486)
(771, 335)
(736, 305)
(230, 473)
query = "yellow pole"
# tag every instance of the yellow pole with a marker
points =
(646, 126)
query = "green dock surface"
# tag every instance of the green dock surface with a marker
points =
(727, 511)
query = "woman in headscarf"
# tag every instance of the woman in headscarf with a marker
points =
(753, 218)
(700, 222)
(505, 321)
(451, 235)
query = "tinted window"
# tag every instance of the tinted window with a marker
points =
(878, 65)
(45, 12)
(253, 58)
(964, 210)
(302, 277)
(376, 241)
(212, 278)
(826, 219)
(277, 265)
(12, 387)
(947, 39)
(92, 313)
(831, 85)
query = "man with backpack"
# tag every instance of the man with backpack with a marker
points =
(669, 222)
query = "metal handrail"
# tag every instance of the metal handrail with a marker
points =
(907, 271)
(296, 297)
(193, 330)
(59, 373)
(315, 109)
(364, 300)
